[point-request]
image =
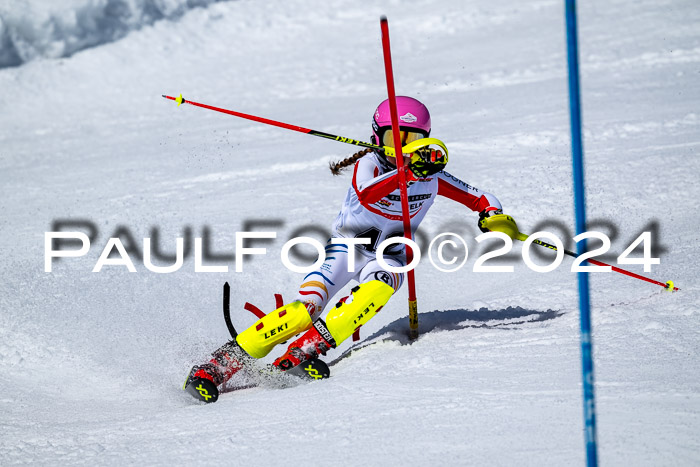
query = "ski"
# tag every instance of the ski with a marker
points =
(311, 370)
(204, 389)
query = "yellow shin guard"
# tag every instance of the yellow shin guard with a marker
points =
(274, 328)
(367, 298)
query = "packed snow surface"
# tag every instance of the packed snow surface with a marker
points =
(92, 363)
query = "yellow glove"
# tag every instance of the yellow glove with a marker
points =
(496, 221)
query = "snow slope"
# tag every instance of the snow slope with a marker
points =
(92, 363)
(33, 29)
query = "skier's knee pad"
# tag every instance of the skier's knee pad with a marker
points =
(274, 328)
(364, 302)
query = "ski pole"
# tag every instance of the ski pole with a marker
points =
(668, 285)
(412, 304)
(227, 311)
(390, 152)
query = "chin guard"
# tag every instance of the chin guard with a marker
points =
(416, 145)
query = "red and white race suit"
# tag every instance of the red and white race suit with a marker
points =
(372, 209)
(372, 206)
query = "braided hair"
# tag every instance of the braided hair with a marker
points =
(338, 167)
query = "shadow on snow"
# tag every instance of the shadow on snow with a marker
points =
(397, 331)
(450, 320)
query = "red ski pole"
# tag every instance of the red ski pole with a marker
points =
(668, 285)
(388, 151)
(412, 305)
(287, 126)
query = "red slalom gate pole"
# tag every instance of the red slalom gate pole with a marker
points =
(403, 189)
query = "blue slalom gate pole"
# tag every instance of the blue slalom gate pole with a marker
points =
(580, 207)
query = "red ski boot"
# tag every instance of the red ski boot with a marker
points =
(203, 380)
(314, 342)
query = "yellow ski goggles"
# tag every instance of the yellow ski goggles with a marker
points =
(407, 136)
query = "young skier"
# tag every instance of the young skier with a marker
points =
(371, 210)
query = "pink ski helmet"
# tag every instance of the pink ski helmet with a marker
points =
(414, 121)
